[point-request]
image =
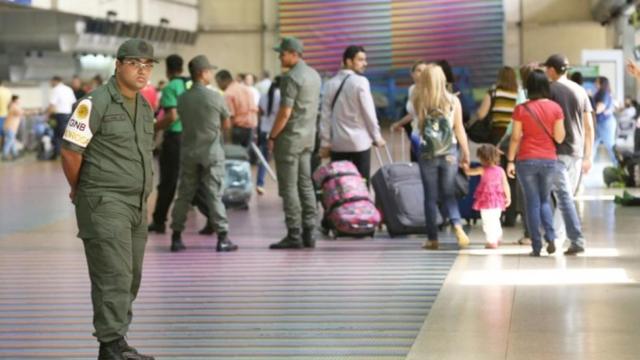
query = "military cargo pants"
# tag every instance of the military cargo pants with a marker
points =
(296, 189)
(114, 235)
(193, 175)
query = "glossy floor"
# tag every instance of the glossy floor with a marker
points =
(348, 299)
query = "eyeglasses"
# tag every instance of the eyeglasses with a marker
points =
(139, 64)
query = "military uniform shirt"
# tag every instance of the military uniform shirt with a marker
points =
(116, 147)
(202, 111)
(300, 90)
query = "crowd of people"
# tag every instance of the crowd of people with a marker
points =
(540, 142)
(348, 127)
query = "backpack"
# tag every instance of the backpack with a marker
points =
(437, 135)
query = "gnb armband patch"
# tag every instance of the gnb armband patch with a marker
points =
(78, 131)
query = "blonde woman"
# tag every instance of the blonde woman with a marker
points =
(443, 149)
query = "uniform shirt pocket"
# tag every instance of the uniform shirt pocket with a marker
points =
(116, 124)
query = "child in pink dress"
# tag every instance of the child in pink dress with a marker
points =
(492, 195)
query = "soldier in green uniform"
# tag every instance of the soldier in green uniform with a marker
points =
(204, 114)
(169, 157)
(107, 159)
(292, 139)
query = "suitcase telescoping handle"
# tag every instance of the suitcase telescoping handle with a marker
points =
(379, 156)
(403, 151)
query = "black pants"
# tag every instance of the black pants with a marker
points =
(169, 170)
(241, 136)
(58, 132)
(511, 213)
(362, 160)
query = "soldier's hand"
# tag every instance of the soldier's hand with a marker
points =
(72, 194)
(270, 145)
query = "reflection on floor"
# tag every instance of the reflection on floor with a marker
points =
(505, 305)
(347, 299)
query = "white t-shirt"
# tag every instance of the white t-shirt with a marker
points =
(411, 111)
(62, 99)
(256, 95)
(266, 121)
(263, 86)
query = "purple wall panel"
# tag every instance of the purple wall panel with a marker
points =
(468, 33)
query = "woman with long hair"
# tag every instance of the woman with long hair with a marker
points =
(605, 119)
(538, 126)
(444, 148)
(499, 103)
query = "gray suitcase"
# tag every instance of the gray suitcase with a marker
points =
(238, 185)
(400, 197)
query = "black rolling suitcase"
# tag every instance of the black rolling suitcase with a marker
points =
(400, 196)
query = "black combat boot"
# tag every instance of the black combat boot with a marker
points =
(176, 242)
(110, 351)
(224, 244)
(156, 228)
(293, 240)
(307, 238)
(207, 230)
(130, 353)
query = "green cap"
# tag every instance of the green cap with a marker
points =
(136, 48)
(200, 63)
(289, 44)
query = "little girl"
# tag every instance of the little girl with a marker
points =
(492, 195)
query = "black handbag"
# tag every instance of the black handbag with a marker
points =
(479, 131)
(461, 184)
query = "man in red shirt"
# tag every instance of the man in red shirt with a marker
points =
(150, 94)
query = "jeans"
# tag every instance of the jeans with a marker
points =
(606, 134)
(262, 144)
(565, 183)
(536, 178)
(438, 175)
(9, 146)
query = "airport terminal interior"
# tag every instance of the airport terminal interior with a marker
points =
(275, 92)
